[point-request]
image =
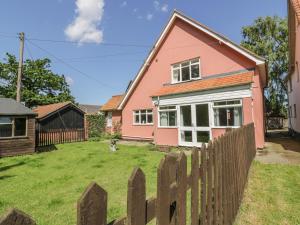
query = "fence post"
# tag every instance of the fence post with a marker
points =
(92, 206)
(210, 183)
(182, 189)
(203, 184)
(195, 187)
(136, 198)
(16, 217)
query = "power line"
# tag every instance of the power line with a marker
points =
(69, 65)
(77, 42)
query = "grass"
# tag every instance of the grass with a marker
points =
(272, 196)
(48, 185)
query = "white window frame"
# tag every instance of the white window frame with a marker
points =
(167, 110)
(190, 70)
(226, 106)
(13, 127)
(139, 112)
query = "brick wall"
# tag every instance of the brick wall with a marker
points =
(19, 146)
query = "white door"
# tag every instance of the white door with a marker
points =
(194, 124)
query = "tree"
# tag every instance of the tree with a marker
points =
(40, 86)
(268, 37)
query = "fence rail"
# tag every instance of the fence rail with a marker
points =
(59, 136)
(217, 180)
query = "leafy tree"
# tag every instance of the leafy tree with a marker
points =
(268, 37)
(40, 86)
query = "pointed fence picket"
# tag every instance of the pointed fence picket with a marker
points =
(218, 176)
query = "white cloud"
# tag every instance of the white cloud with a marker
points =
(164, 8)
(123, 4)
(69, 80)
(149, 16)
(135, 10)
(159, 7)
(85, 27)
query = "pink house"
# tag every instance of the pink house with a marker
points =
(293, 78)
(194, 84)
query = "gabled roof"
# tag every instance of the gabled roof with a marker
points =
(296, 6)
(212, 82)
(112, 103)
(47, 110)
(178, 15)
(90, 109)
(11, 107)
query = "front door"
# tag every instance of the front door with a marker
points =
(194, 124)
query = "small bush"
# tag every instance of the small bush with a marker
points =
(95, 125)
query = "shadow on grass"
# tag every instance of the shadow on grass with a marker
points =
(282, 137)
(6, 177)
(4, 168)
(48, 148)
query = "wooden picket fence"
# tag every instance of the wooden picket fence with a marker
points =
(59, 136)
(217, 181)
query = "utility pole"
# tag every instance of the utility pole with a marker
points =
(19, 80)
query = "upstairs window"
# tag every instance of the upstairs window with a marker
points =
(185, 71)
(143, 117)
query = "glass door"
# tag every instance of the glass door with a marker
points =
(194, 124)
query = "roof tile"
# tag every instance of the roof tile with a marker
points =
(44, 110)
(207, 84)
(113, 103)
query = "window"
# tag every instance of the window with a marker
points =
(185, 71)
(12, 127)
(144, 116)
(290, 112)
(167, 116)
(109, 119)
(227, 113)
(295, 111)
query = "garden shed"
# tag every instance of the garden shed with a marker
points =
(17, 128)
(59, 123)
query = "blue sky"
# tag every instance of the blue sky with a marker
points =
(115, 36)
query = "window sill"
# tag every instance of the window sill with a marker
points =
(10, 138)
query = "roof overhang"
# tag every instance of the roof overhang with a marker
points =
(177, 15)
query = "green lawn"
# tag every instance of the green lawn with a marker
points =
(48, 185)
(272, 196)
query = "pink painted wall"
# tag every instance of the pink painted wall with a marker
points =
(116, 118)
(294, 95)
(182, 42)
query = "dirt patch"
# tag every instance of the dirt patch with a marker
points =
(280, 148)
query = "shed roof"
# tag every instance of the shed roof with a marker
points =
(11, 107)
(112, 103)
(213, 82)
(45, 110)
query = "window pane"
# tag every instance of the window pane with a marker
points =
(186, 116)
(172, 118)
(195, 61)
(137, 118)
(176, 66)
(149, 111)
(220, 117)
(20, 126)
(143, 111)
(202, 118)
(149, 118)
(238, 116)
(143, 118)
(5, 130)
(5, 119)
(185, 73)
(203, 136)
(163, 118)
(195, 71)
(230, 116)
(185, 64)
(176, 75)
(186, 136)
(220, 103)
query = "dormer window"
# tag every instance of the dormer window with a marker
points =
(185, 71)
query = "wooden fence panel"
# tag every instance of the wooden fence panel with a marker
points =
(221, 176)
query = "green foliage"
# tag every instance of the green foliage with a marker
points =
(268, 37)
(40, 86)
(96, 125)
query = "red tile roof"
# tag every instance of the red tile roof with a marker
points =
(207, 84)
(296, 6)
(45, 110)
(113, 103)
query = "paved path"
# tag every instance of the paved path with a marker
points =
(280, 148)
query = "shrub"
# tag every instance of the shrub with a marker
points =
(95, 125)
